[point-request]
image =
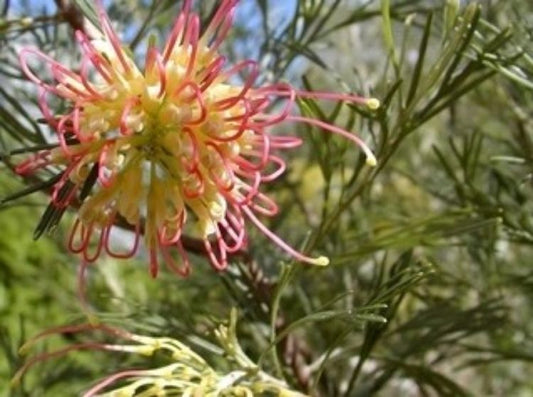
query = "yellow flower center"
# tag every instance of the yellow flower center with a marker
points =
(160, 143)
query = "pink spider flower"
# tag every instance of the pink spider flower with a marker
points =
(178, 145)
(185, 373)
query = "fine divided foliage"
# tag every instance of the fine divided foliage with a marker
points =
(426, 283)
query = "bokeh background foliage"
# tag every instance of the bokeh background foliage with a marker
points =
(430, 289)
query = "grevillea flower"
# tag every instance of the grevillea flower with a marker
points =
(177, 146)
(186, 373)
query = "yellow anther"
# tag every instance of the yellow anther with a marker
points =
(321, 261)
(373, 103)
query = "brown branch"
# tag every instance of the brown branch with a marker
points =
(70, 14)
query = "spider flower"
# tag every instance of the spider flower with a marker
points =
(182, 144)
(185, 373)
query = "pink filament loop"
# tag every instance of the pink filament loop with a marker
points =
(107, 234)
(153, 58)
(59, 353)
(101, 385)
(71, 329)
(96, 59)
(105, 180)
(210, 73)
(84, 78)
(97, 251)
(227, 103)
(236, 220)
(162, 76)
(186, 8)
(242, 118)
(277, 172)
(320, 95)
(263, 155)
(221, 13)
(234, 228)
(239, 198)
(221, 184)
(276, 239)
(196, 94)
(267, 120)
(333, 129)
(35, 162)
(85, 234)
(183, 270)
(63, 130)
(250, 166)
(189, 192)
(259, 103)
(191, 37)
(56, 68)
(268, 207)
(45, 109)
(64, 202)
(167, 240)
(113, 39)
(284, 142)
(242, 126)
(60, 78)
(190, 163)
(76, 115)
(124, 129)
(220, 24)
(218, 259)
(175, 35)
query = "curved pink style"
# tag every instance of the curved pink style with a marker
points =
(177, 146)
